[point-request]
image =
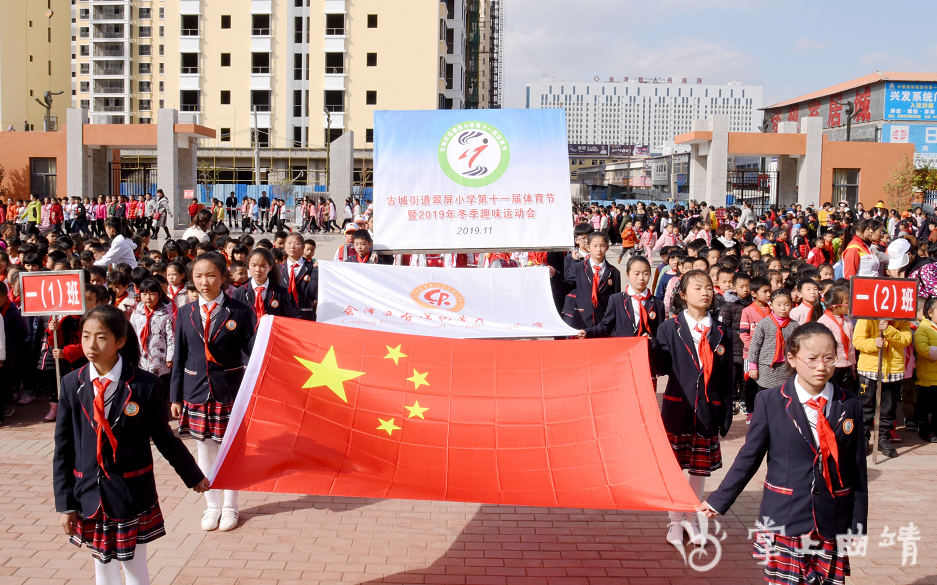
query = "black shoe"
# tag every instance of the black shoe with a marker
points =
(884, 445)
(928, 437)
(910, 425)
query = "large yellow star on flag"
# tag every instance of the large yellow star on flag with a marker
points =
(327, 373)
(418, 379)
(394, 353)
(416, 410)
(388, 425)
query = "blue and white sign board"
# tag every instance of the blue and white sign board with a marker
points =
(905, 100)
(923, 137)
(473, 180)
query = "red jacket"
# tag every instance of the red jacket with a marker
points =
(56, 215)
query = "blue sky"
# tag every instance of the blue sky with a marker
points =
(789, 47)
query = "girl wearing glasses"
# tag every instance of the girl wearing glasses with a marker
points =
(836, 304)
(816, 484)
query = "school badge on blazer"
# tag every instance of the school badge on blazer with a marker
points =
(132, 408)
(274, 303)
(231, 325)
(720, 349)
(848, 426)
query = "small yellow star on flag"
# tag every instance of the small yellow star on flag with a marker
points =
(418, 379)
(388, 425)
(327, 373)
(416, 410)
(394, 353)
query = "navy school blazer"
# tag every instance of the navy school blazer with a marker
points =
(138, 413)
(277, 301)
(619, 321)
(579, 276)
(795, 494)
(195, 379)
(687, 408)
(307, 287)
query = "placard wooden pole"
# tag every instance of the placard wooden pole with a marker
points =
(878, 402)
(55, 347)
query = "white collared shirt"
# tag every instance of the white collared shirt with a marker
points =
(289, 266)
(265, 284)
(202, 302)
(113, 378)
(707, 321)
(636, 305)
(592, 267)
(803, 396)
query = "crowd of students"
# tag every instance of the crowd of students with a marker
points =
(737, 322)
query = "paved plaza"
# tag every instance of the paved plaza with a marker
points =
(287, 539)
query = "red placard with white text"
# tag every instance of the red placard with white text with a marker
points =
(894, 299)
(53, 293)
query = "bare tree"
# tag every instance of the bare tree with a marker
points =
(900, 187)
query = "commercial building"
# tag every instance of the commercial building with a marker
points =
(885, 107)
(649, 112)
(34, 59)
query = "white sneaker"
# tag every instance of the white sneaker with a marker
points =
(696, 537)
(210, 518)
(229, 519)
(675, 535)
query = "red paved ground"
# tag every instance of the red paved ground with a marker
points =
(284, 539)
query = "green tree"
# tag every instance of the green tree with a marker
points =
(207, 176)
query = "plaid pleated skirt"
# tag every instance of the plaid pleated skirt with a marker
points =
(788, 563)
(698, 455)
(205, 421)
(109, 538)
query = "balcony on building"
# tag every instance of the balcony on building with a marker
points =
(188, 64)
(109, 31)
(110, 105)
(105, 86)
(260, 25)
(109, 68)
(189, 100)
(189, 26)
(110, 13)
(334, 33)
(261, 77)
(110, 50)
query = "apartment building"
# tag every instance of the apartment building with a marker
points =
(34, 59)
(644, 111)
(483, 54)
(299, 72)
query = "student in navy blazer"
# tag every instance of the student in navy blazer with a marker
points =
(305, 277)
(263, 273)
(583, 278)
(102, 467)
(807, 490)
(696, 356)
(207, 373)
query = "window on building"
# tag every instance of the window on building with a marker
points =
(225, 21)
(297, 103)
(161, 68)
(84, 32)
(372, 59)
(298, 29)
(369, 135)
(84, 68)
(144, 68)
(335, 63)
(262, 135)
(144, 13)
(188, 63)
(144, 121)
(84, 86)
(84, 104)
(162, 102)
(84, 13)
(162, 13)
(335, 24)
(334, 101)
(42, 176)
(260, 100)
(225, 97)
(260, 63)
(297, 66)
(372, 21)
(189, 25)
(143, 105)
(226, 59)
(162, 31)
(297, 137)
(260, 25)
(144, 87)
(188, 100)
(84, 50)
(162, 88)
(144, 50)
(226, 135)
(162, 50)
(370, 98)
(144, 32)
(846, 186)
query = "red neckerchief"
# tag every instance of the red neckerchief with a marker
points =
(366, 258)
(145, 331)
(643, 323)
(844, 339)
(763, 314)
(808, 305)
(779, 339)
(119, 300)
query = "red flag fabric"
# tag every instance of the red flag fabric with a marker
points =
(330, 410)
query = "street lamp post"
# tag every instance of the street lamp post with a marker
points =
(851, 112)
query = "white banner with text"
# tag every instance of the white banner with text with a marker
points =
(464, 303)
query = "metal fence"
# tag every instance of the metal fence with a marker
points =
(292, 195)
(752, 186)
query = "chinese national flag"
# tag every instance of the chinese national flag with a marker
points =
(330, 410)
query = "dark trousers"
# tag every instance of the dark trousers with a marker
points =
(924, 409)
(47, 385)
(751, 391)
(739, 390)
(845, 378)
(890, 392)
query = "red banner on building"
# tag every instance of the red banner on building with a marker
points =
(330, 410)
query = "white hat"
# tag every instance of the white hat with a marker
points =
(898, 254)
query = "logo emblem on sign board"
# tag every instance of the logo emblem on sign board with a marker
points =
(848, 426)
(131, 409)
(434, 295)
(474, 154)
